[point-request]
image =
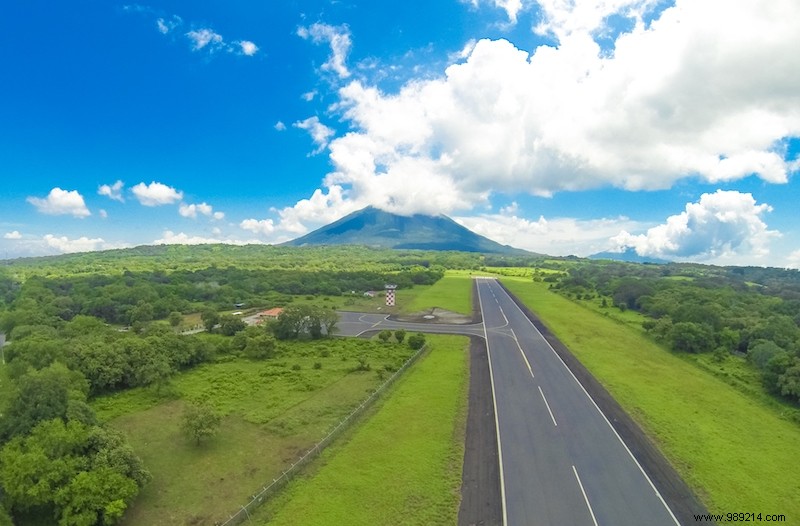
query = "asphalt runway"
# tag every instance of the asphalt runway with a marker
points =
(561, 460)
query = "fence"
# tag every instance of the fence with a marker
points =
(273, 487)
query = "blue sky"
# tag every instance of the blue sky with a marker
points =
(668, 128)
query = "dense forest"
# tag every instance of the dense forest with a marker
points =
(751, 312)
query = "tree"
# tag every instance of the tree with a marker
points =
(687, 336)
(384, 335)
(42, 395)
(142, 312)
(260, 346)
(210, 319)
(399, 335)
(86, 475)
(329, 318)
(230, 325)
(175, 318)
(200, 421)
(416, 341)
(789, 381)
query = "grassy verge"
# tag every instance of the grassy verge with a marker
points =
(453, 292)
(402, 465)
(736, 452)
(273, 411)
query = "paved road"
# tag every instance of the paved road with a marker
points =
(561, 461)
(357, 323)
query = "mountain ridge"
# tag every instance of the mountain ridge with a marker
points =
(371, 226)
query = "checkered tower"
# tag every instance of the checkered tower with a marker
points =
(390, 294)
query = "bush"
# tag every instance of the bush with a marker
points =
(296, 367)
(416, 341)
(317, 365)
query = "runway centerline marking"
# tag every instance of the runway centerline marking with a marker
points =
(585, 498)
(605, 418)
(547, 405)
(522, 353)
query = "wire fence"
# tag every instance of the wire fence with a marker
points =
(244, 512)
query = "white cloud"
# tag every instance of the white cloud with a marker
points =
(103, 213)
(719, 226)
(560, 236)
(320, 133)
(320, 209)
(562, 18)
(165, 25)
(338, 37)
(309, 96)
(156, 194)
(673, 101)
(793, 260)
(264, 227)
(12, 235)
(247, 48)
(61, 202)
(181, 238)
(205, 37)
(280, 126)
(65, 245)
(511, 7)
(113, 191)
(205, 209)
(464, 52)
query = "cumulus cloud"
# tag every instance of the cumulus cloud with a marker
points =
(793, 260)
(205, 209)
(156, 194)
(12, 235)
(279, 126)
(205, 37)
(61, 202)
(65, 245)
(320, 133)
(338, 38)
(247, 48)
(113, 191)
(719, 225)
(562, 18)
(560, 236)
(264, 227)
(181, 238)
(670, 102)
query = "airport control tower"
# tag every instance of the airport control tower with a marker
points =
(390, 294)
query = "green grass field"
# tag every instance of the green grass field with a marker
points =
(402, 465)
(272, 414)
(738, 453)
(453, 292)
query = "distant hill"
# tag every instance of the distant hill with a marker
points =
(628, 255)
(376, 228)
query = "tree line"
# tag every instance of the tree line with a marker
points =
(752, 312)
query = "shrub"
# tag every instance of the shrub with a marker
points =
(416, 341)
